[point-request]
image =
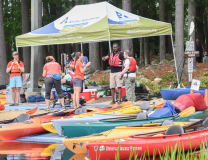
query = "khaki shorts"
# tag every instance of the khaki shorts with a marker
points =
(115, 81)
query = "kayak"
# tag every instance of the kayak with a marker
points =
(78, 145)
(173, 94)
(56, 126)
(78, 130)
(32, 150)
(150, 144)
(31, 126)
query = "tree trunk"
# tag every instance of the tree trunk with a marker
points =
(94, 55)
(68, 49)
(199, 22)
(40, 48)
(162, 38)
(77, 47)
(141, 59)
(4, 80)
(128, 43)
(206, 29)
(85, 49)
(179, 33)
(102, 55)
(25, 29)
(146, 51)
(191, 18)
(170, 48)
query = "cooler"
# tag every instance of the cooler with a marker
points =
(88, 94)
(123, 91)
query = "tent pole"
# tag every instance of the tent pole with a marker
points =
(175, 60)
(81, 48)
(109, 45)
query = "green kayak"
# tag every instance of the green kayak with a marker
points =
(84, 129)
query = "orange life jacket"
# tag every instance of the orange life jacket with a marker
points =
(132, 66)
(15, 68)
(114, 60)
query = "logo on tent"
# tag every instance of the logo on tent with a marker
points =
(123, 20)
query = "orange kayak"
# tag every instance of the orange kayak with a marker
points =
(34, 125)
(31, 150)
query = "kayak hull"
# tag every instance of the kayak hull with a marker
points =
(78, 145)
(173, 94)
(78, 130)
(147, 145)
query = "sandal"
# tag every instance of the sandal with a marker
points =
(47, 109)
(63, 107)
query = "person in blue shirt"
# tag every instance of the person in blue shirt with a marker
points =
(85, 60)
(67, 60)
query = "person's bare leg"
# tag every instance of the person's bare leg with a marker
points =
(77, 96)
(74, 98)
(47, 103)
(62, 101)
(13, 95)
(119, 93)
(17, 94)
(113, 94)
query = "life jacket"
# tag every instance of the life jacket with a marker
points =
(71, 83)
(72, 62)
(114, 60)
(15, 68)
(132, 66)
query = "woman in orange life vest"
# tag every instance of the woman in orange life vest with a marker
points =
(78, 77)
(129, 73)
(115, 61)
(15, 68)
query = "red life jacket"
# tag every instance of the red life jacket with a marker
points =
(71, 83)
(132, 66)
(15, 68)
(114, 60)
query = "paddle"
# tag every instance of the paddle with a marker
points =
(32, 111)
(185, 113)
(90, 101)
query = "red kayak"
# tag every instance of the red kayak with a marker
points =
(142, 145)
(34, 125)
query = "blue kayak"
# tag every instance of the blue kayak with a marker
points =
(173, 94)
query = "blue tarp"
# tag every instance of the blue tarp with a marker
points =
(168, 109)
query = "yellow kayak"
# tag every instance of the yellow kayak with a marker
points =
(77, 144)
(47, 151)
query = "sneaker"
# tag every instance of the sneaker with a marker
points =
(16, 104)
(112, 102)
(119, 102)
(12, 104)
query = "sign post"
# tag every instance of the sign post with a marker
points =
(190, 53)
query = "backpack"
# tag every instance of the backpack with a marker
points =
(35, 98)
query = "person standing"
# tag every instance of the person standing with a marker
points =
(67, 60)
(129, 73)
(78, 77)
(115, 61)
(15, 68)
(52, 73)
(85, 60)
(200, 48)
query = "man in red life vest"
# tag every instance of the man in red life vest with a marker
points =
(115, 61)
(15, 68)
(129, 73)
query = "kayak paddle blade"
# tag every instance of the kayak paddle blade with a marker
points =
(32, 111)
(187, 112)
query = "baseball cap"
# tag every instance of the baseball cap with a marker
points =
(73, 54)
(14, 53)
(67, 55)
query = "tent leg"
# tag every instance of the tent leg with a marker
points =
(109, 45)
(81, 48)
(175, 60)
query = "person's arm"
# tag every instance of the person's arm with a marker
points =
(21, 67)
(82, 69)
(106, 57)
(44, 73)
(60, 72)
(9, 67)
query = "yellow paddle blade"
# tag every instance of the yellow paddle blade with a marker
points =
(187, 112)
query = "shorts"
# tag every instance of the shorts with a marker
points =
(77, 82)
(16, 81)
(115, 81)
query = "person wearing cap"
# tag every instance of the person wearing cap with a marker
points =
(52, 73)
(71, 64)
(205, 58)
(68, 60)
(15, 68)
